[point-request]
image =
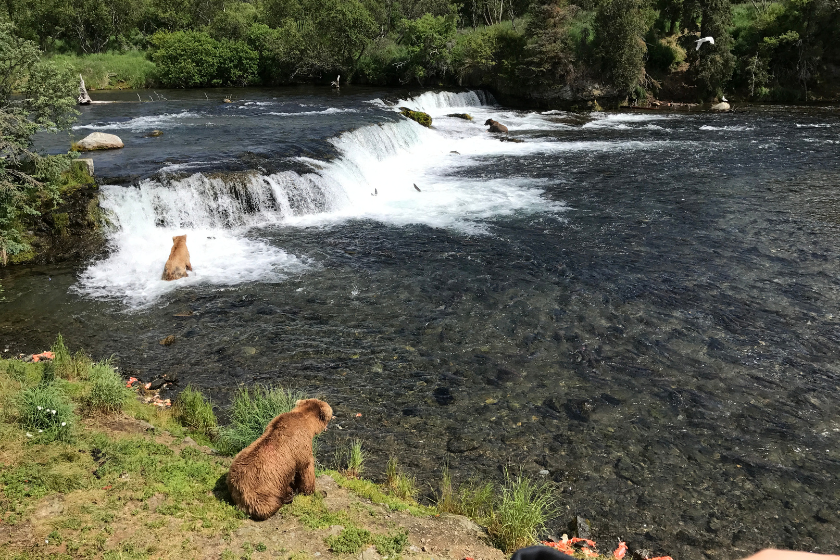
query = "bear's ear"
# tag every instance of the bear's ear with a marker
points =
(174, 237)
(322, 414)
(185, 237)
(298, 403)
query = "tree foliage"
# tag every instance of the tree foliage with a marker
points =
(619, 34)
(46, 102)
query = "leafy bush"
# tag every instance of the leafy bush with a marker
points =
(107, 393)
(250, 413)
(46, 412)
(195, 59)
(195, 412)
(391, 544)
(520, 512)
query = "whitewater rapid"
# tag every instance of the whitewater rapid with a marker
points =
(397, 173)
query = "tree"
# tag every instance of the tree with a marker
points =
(620, 27)
(712, 65)
(549, 55)
(46, 102)
(426, 40)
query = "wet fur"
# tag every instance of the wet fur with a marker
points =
(266, 474)
(179, 259)
(495, 126)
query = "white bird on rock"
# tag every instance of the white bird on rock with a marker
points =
(335, 82)
(704, 40)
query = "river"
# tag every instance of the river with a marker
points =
(644, 304)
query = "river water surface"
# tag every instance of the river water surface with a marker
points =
(645, 305)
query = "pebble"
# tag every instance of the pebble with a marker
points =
(543, 472)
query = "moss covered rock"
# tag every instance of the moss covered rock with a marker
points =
(417, 116)
(465, 116)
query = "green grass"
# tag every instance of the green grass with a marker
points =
(312, 512)
(107, 394)
(250, 413)
(350, 459)
(520, 512)
(391, 544)
(474, 499)
(375, 493)
(70, 366)
(398, 483)
(195, 412)
(349, 541)
(130, 70)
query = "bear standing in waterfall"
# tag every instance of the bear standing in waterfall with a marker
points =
(266, 474)
(179, 259)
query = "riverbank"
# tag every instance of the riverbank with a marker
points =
(97, 472)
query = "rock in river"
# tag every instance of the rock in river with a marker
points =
(99, 141)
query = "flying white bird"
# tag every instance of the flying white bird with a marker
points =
(334, 83)
(704, 40)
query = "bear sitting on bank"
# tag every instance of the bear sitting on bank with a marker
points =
(266, 474)
(495, 126)
(179, 259)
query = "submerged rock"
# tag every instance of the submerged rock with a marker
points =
(98, 141)
(417, 116)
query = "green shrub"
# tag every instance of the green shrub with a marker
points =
(195, 412)
(107, 393)
(520, 512)
(46, 413)
(349, 541)
(195, 59)
(251, 412)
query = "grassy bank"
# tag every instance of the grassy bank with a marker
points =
(88, 470)
(129, 70)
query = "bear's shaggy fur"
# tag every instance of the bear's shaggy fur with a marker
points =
(266, 474)
(179, 259)
(495, 126)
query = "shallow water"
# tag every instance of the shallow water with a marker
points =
(645, 305)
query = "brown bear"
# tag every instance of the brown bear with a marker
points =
(266, 474)
(495, 126)
(179, 259)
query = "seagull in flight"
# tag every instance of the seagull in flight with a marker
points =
(704, 40)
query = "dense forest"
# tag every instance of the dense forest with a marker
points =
(540, 49)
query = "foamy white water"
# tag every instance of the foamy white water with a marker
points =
(140, 124)
(376, 176)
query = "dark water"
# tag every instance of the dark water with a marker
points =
(646, 307)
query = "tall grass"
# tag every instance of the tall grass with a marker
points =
(195, 412)
(46, 413)
(129, 70)
(473, 499)
(107, 394)
(350, 459)
(250, 413)
(70, 366)
(398, 483)
(520, 512)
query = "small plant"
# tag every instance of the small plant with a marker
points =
(67, 365)
(521, 511)
(349, 541)
(391, 544)
(46, 413)
(195, 412)
(399, 484)
(107, 393)
(251, 412)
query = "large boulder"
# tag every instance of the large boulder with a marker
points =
(723, 106)
(98, 141)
